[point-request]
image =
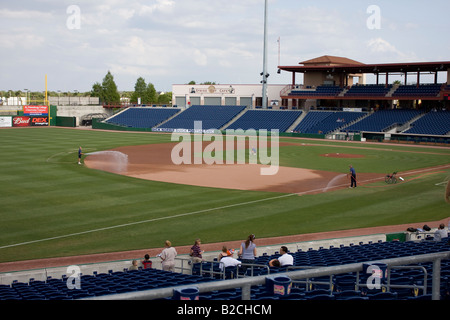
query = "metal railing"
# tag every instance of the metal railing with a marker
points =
(247, 282)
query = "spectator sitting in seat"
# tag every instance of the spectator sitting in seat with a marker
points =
(286, 259)
(440, 233)
(227, 259)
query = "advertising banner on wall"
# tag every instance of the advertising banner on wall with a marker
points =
(35, 110)
(22, 121)
(39, 121)
(26, 121)
(5, 122)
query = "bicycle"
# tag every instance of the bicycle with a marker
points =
(391, 178)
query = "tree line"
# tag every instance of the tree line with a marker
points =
(145, 92)
(107, 92)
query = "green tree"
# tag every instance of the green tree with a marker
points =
(150, 94)
(107, 90)
(139, 91)
(165, 98)
(110, 93)
(146, 92)
(97, 91)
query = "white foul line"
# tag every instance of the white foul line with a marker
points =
(185, 214)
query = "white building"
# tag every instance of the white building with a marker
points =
(249, 95)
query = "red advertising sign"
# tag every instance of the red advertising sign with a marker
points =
(21, 121)
(35, 110)
(39, 121)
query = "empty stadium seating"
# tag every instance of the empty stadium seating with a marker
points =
(266, 119)
(343, 286)
(371, 90)
(383, 119)
(331, 91)
(423, 90)
(142, 117)
(212, 117)
(326, 121)
(433, 123)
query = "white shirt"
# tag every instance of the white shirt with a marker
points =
(286, 259)
(439, 234)
(228, 262)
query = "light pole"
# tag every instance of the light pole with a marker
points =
(264, 74)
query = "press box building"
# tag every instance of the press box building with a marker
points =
(250, 95)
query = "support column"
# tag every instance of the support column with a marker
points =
(436, 281)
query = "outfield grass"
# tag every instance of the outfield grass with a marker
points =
(52, 207)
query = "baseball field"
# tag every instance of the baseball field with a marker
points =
(50, 206)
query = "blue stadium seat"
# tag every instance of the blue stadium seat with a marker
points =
(433, 123)
(266, 119)
(383, 119)
(212, 117)
(142, 117)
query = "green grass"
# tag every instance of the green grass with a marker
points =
(52, 207)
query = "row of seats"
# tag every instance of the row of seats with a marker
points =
(142, 117)
(96, 285)
(146, 279)
(215, 117)
(374, 90)
(368, 90)
(331, 91)
(383, 119)
(326, 121)
(434, 123)
(260, 119)
(426, 90)
(212, 117)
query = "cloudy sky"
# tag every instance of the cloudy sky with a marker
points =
(170, 42)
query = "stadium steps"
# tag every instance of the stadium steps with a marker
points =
(407, 125)
(343, 92)
(176, 114)
(234, 119)
(297, 122)
(342, 129)
(393, 89)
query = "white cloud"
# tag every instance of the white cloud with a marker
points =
(382, 48)
(175, 41)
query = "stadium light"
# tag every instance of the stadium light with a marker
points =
(264, 74)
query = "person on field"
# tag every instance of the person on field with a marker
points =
(80, 153)
(352, 177)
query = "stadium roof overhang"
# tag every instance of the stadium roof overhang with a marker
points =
(412, 67)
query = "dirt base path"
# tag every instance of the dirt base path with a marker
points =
(153, 162)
